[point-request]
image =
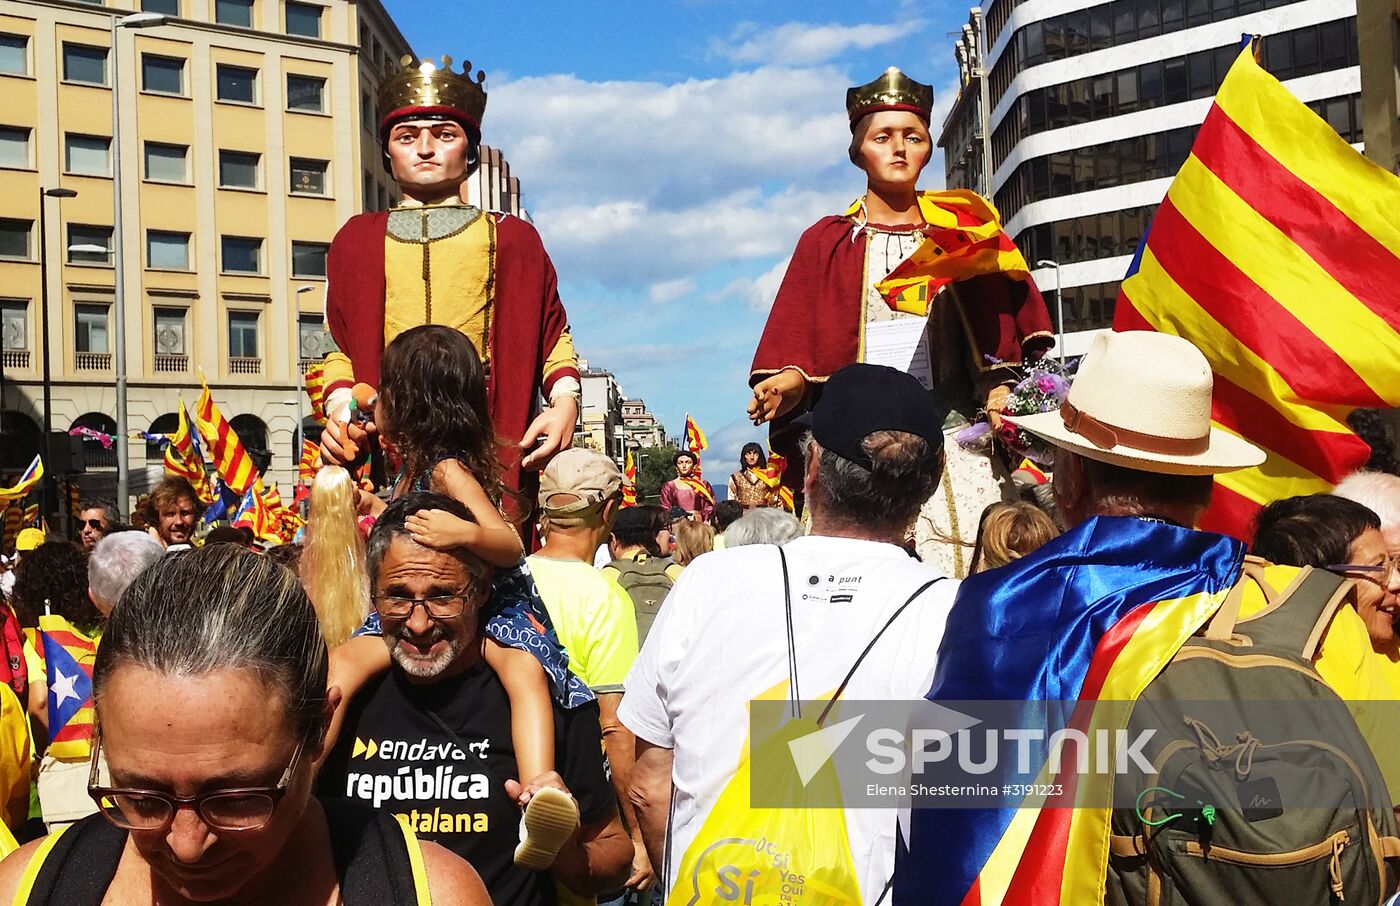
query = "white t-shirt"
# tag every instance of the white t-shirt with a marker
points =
(721, 640)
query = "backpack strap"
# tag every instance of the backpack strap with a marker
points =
(377, 859)
(78, 867)
(1296, 617)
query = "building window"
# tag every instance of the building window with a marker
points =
(238, 170)
(14, 55)
(314, 341)
(164, 75)
(309, 259)
(14, 147)
(14, 238)
(87, 155)
(14, 324)
(234, 12)
(166, 7)
(90, 327)
(85, 64)
(167, 163)
(367, 112)
(170, 331)
(240, 254)
(306, 93)
(243, 334)
(308, 176)
(303, 19)
(236, 84)
(167, 250)
(89, 244)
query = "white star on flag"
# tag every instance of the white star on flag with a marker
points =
(63, 688)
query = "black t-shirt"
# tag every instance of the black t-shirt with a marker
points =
(395, 756)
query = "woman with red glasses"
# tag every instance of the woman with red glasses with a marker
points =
(211, 699)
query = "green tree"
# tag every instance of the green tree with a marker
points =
(655, 467)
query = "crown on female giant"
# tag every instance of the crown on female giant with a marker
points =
(891, 90)
(425, 88)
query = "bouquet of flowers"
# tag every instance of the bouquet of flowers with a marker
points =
(1042, 388)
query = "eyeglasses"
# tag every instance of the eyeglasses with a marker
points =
(438, 607)
(237, 809)
(96, 524)
(1380, 573)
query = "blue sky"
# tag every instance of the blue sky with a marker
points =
(671, 154)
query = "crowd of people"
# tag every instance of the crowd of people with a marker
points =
(494, 678)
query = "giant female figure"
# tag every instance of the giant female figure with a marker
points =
(925, 281)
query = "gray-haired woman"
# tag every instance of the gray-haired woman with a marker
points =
(210, 690)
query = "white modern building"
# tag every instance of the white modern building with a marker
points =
(1094, 107)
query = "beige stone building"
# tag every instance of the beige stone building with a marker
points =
(246, 136)
(1378, 33)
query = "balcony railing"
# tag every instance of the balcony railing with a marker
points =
(92, 361)
(95, 456)
(244, 365)
(305, 364)
(171, 363)
(16, 358)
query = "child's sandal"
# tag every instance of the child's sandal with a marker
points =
(550, 817)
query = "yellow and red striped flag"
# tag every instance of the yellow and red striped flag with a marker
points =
(255, 514)
(31, 518)
(227, 451)
(27, 481)
(68, 659)
(772, 476)
(310, 461)
(183, 458)
(1277, 252)
(13, 522)
(695, 441)
(316, 390)
(629, 482)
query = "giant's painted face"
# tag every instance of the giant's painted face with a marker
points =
(428, 158)
(893, 147)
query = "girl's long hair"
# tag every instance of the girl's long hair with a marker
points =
(432, 397)
(332, 566)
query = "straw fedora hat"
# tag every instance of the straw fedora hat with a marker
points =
(1142, 400)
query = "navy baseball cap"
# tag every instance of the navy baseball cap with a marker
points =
(861, 399)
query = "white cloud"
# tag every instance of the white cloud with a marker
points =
(670, 290)
(757, 293)
(805, 43)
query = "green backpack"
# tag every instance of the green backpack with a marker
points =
(1211, 826)
(645, 580)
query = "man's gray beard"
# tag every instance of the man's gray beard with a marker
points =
(424, 668)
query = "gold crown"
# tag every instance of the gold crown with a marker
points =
(425, 87)
(893, 90)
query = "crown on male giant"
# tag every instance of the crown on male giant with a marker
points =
(426, 89)
(892, 90)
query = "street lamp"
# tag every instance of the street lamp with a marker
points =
(135, 20)
(49, 481)
(301, 375)
(1059, 305)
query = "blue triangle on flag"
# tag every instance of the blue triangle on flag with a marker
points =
(70, 688)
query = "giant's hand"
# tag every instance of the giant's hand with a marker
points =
(554, 428)
(776, 395)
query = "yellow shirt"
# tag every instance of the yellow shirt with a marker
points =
(594, 618)
(14, 765)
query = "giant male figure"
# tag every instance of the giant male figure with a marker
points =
(435, 259)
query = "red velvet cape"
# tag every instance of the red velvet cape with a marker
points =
(527, 318)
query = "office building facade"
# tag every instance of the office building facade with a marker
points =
(1094, 107)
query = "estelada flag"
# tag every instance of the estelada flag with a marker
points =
(230, 457)
(1277, 253)
(629, 482)
(1104, 626)
(26, 482)
(68, 659)
(695, 441)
